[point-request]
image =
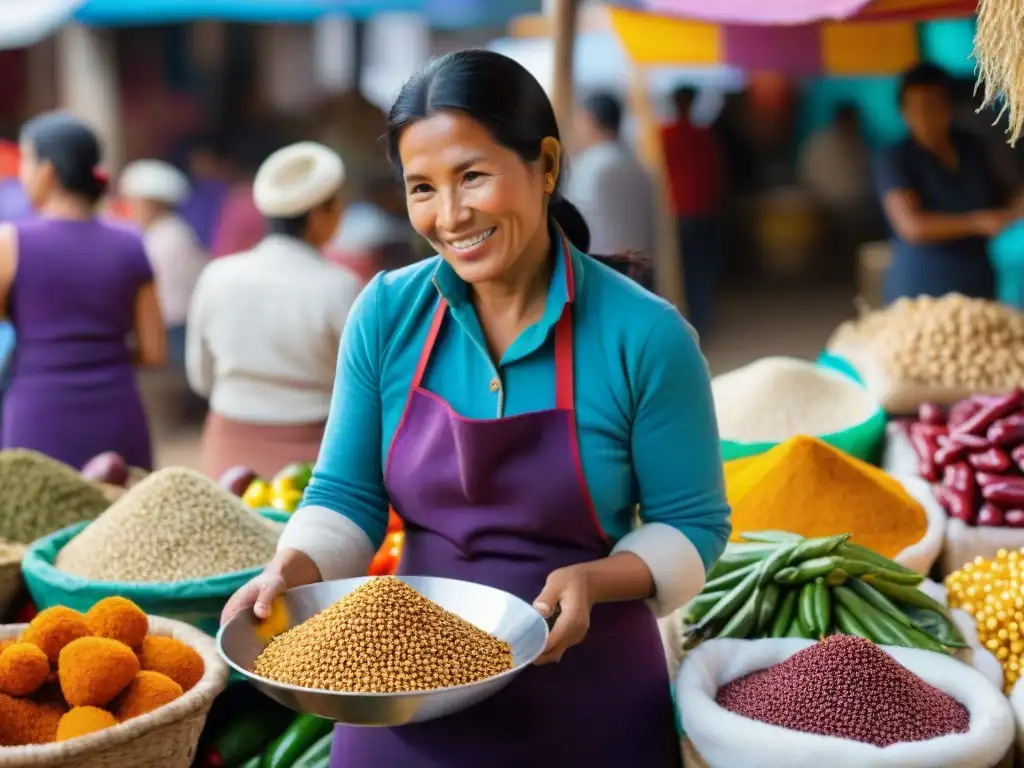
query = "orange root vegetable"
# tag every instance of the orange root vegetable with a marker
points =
(82, 720)
(23, 669)
(23, 721)
(173, 658)
(148, 691)
(54, 628)
(94, 670)
(119, 619)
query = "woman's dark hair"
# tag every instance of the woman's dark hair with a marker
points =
(292, 226)
(71, 147)
(925, 75)
(502, 96)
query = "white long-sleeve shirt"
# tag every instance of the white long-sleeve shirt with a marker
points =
(263, 332)
(177, 258)
(616, 197)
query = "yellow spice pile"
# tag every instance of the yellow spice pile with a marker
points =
(383, 637)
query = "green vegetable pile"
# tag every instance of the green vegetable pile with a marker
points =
(265, 735)
(779, 584)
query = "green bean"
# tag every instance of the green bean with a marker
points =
(769, 604)
(797, 629)
(772, 537)
(773, 564)
(740, 555)
(729, 604)
(731, 579)
(822, 607)
(785, 613)
(701, 604)
(819, 547)
(745, 619)
(847, 622)
(868, 616)
(806, 571)
(857, 552)
(805, 609)
(873, 597)
(905, 594)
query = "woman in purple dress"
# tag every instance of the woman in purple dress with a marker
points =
(75, 290)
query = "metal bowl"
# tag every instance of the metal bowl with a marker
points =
(503, 615)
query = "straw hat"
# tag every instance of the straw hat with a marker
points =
(296, 179)
(154, 180)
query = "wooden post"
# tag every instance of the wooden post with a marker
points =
(564, 39)
(668, 272)
(88, 86)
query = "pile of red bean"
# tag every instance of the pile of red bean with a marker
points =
(846, 687)
(975, 452)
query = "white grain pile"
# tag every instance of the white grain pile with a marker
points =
(775, 398)
(173, 526)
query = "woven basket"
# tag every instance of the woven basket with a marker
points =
(164, 738)
(11, 583)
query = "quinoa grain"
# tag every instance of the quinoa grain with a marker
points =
(383, 637)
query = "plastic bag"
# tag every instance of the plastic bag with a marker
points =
(727, 740)
(899, 456)
(197, 602)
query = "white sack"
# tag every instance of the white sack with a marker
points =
(727, 740)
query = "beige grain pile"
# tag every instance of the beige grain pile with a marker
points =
(951, 341)
(173, 526)
(39, 495)
(383, 637)
(776, 398)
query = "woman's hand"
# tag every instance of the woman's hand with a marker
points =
(288, 569)
(568, 588)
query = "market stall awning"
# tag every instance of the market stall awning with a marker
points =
(796, 12)
(25, 22)
(442, 13)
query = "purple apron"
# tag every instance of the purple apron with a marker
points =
(504, 502)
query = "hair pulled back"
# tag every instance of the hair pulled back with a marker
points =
(503, 97)
(72, 148)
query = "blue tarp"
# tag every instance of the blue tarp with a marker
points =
(450, 14)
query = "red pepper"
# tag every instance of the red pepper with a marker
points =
(923, 437)
(992, 460)
(956, 503)
(988, 414)
(961, 412)
(949, 452)
(1014, 518)
(930, 413)
(990, 516)
(1007, 431)
(1008, 494)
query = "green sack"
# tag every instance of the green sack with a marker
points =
(197, 602)
(863, 441)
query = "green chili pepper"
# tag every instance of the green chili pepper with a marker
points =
(785, 613)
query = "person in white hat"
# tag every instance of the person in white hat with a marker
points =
(265, 325)
(154, 191)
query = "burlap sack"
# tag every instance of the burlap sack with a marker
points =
(898, 398)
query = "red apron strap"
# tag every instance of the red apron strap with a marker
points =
(428, 345)
(564, 399)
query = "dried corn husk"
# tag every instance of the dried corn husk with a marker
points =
(999, 50)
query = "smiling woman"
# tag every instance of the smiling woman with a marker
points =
(515, 400)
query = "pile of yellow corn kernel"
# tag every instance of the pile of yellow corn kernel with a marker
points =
(990, 590)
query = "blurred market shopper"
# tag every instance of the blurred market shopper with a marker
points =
(154, 190)
(75, 288)
(693, 165)
(607, 182)
(210, 184)
(940, 196)
(241, 226)
(515, 399)
(264, 325)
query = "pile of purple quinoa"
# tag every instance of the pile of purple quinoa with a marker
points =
(849, 688)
